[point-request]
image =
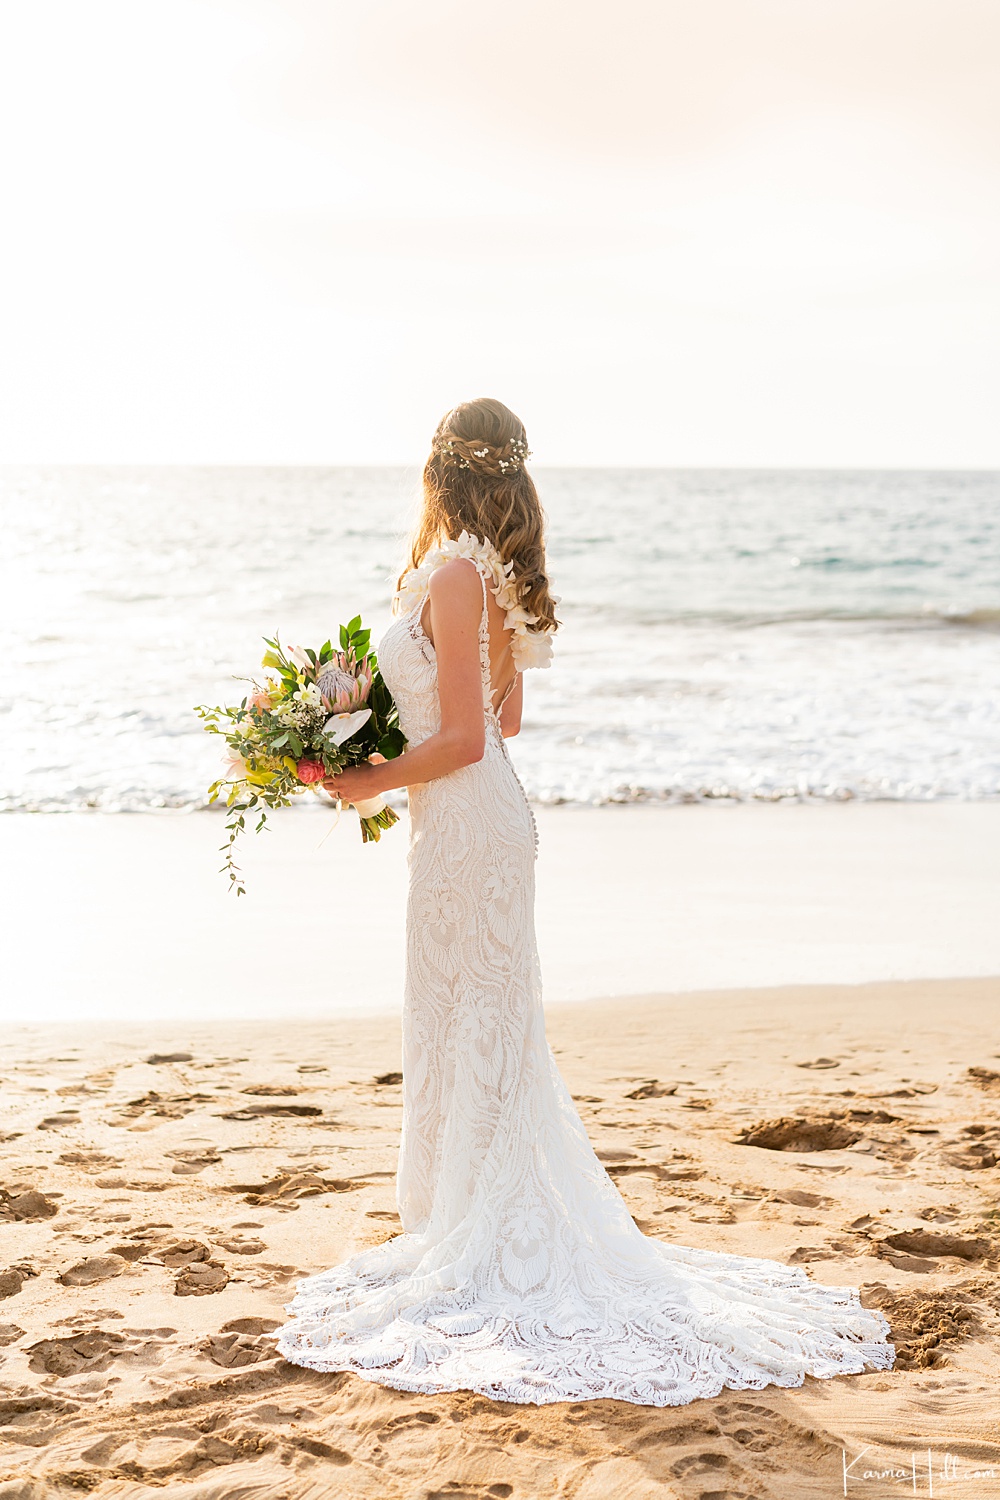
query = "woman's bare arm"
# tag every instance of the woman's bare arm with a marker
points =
(456, 607)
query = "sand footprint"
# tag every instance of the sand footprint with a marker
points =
(977, 1148)
(198, 1275)
(279, 1111)
(14, 1277)
(984, 1078)
(92, 1162)
(283, 1191)
(924, 1323)
(242, 1341)
(189, 1160)
(651, 1088)
(800, 1133)
(93, 1350)
(238, 1244)
(456, 1489)
(94, 1269)
(26, 1203)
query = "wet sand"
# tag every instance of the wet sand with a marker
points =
(134, 920)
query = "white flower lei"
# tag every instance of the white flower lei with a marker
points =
(529, 648)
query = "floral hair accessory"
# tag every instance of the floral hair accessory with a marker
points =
(509, 458)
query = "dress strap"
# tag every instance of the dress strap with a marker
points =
(510, 688)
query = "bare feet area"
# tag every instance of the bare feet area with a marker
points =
(164, 1187)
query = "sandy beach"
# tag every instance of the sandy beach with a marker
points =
(168, 1176)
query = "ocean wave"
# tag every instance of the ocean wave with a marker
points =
(678, 795)
(973, 617)
(985, 618)
(728, 636)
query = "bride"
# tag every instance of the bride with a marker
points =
(520, 1272)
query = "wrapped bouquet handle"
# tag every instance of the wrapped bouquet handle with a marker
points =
(374, 812)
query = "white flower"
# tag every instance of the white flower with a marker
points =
(341, 726)
(310, 696)
(236, 767)
(299, 657)
(507, 597)
(529, 648)
(519, 619)
(532, 648)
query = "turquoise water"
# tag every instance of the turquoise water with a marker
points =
(740, 634)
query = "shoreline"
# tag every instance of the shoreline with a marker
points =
(631, 900)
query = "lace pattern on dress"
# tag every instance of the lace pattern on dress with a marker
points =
(520, 1272)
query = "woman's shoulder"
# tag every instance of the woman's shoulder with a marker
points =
(467, 552)
(451, 568)
(458, 579)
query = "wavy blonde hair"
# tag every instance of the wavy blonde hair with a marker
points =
(474, 480)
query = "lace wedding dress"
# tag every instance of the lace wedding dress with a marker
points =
(520, 1272)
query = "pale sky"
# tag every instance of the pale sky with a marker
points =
(719, 232)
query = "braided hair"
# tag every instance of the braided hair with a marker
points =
(475, 480)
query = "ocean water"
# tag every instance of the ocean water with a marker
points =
(726, 634)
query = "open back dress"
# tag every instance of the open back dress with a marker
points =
(520, 1273)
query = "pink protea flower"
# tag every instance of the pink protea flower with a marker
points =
(310, 770)
(344, 683)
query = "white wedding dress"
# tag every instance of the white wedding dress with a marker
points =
(520, 1273)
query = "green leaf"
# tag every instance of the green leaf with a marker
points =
(354, 625)
(392, 743)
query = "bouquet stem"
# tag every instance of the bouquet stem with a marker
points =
(373, 826)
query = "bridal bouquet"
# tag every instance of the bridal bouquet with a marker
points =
(316, 713)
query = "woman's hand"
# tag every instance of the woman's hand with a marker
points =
(356, 784)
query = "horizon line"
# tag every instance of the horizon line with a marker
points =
(653, 468)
